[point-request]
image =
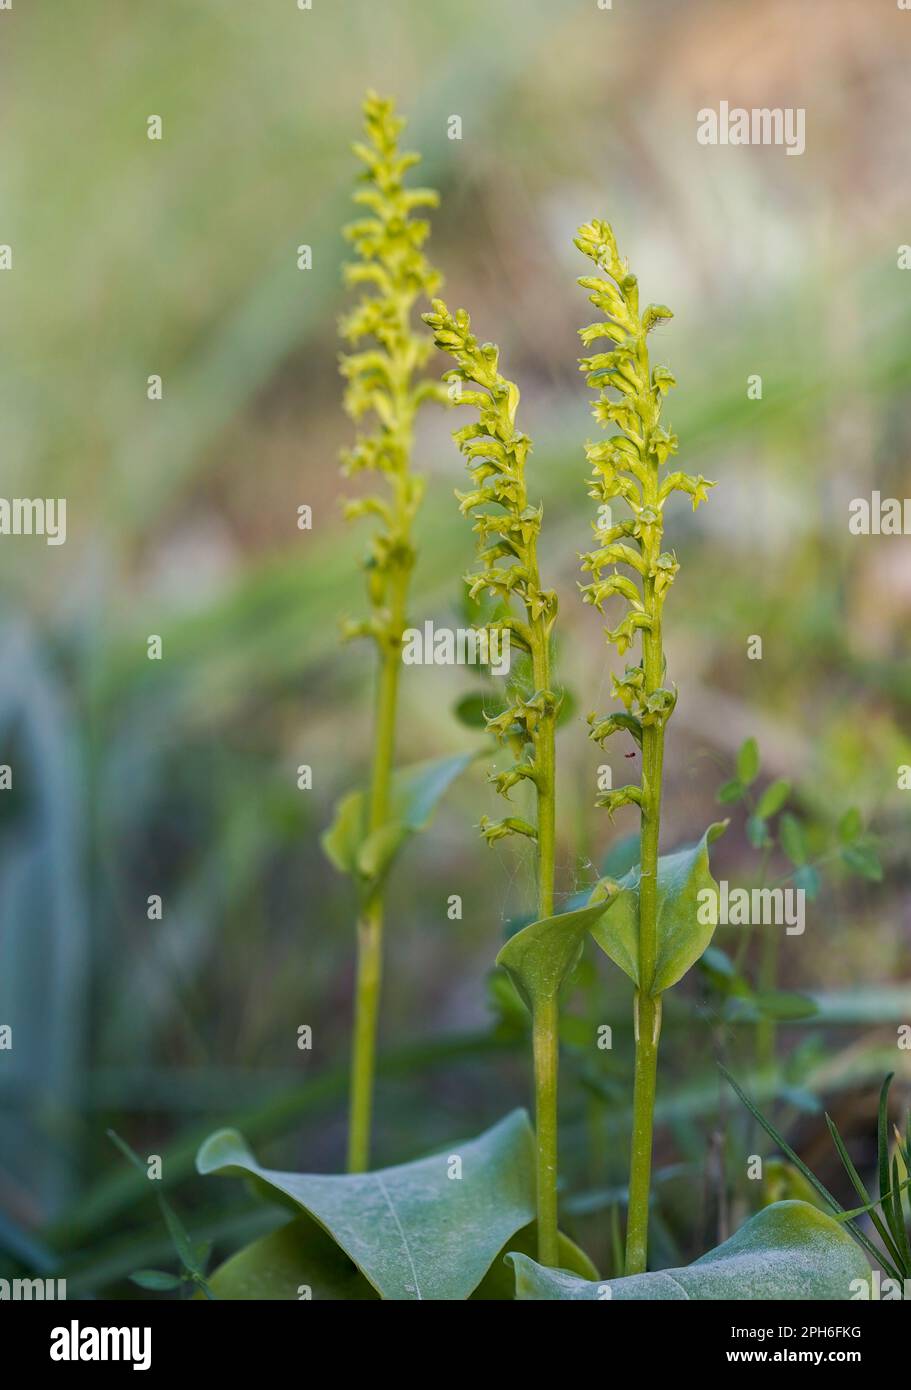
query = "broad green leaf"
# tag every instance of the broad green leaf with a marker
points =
(793, 840)
(414, 1231)
(849, 827)
(298, 1261)
(499, 1283)
(758, 832)
(773, 798)
(683, 931)
(414, 796)
(540, 957)
(748, 761)
(789, 1250)
(730, 792)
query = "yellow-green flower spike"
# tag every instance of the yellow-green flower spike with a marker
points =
(384, 379)
(627, 466)
(507, 527)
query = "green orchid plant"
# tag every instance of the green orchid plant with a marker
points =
(385, 385)
(508, 525)
(627, 466)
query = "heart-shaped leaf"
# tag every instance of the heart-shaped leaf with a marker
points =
(789, 1250)
(424, 1230)
(540, 957)
(683, 931)
(300, 1261)
(414, 795)
(297, 1261)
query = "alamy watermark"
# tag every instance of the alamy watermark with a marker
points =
(32, 1290)
(757, 907)
(462, 646)
(760, 125)
(78, 1343)
(880, 516)
(34, 516)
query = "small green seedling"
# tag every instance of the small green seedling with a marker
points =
(193, 1257)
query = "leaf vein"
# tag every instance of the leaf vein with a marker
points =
(405, 1246)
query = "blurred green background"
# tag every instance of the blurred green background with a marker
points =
(178, 777)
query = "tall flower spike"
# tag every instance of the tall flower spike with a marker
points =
(384, 379)
(384, 382)
(507, 527)
(627, 465)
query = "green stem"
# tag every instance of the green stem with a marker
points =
(370, 924)
(363, 1059)
(545, 1026)
(648, 1027)
(546, 1017)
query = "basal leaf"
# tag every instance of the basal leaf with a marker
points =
(499, 1283)
(683, 931)
(415, 793)
(298, 1261)
(301, 1261)
(424, 1230)
(789, 1250)
(540, 957)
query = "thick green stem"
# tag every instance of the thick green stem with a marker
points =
(545, 1025)
(546, 1017)
(370, 924)
(363, 1058)
(648, 1027)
